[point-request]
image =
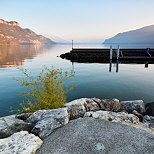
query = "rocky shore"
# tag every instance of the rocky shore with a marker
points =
(86, 125)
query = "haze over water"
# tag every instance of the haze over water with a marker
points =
(132, 81)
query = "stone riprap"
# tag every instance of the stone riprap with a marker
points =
(10, 125)
(46, 121)
(76, 108)
(112, 105)
(20, 143)
(137, 105)
(113, 116)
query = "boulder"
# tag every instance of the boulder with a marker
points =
(137, 105)
(113, 116)
(99, 102)
(111, 105)
(148, 121)
(149, 107)
(76, 108)
(96, 136)
(10, 125)
(91, 105)
(20, 143)
(48, 121)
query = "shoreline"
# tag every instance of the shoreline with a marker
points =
(38, 126)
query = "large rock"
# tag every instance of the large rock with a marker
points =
(20, 143)
(148, 121)
(48, 120)
(92, 105)
(10, 125)
(76, 108)
(96, 136)
(111, 105)
(137, 105)
(149, 107)
(113, 116)
(99, 102)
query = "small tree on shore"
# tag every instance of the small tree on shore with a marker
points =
(46, 90)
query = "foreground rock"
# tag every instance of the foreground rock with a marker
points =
(46, 121)
(148, 121)
(20, 143)
(10, 125)
(96, 136)
(137, 105)
(113, 116)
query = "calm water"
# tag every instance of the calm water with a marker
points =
(132, 81)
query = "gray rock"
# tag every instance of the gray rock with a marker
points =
(112, 105)
(99, 102)
(76, 108)
(137, 105)
(149, 107)
(10, 125)
(89, 114)
(41, 114)
(96, 136)
(92, 105)
(148, 121)
(20, 143)
(113, 116)
(49, 121)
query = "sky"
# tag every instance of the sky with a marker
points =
(79, 20)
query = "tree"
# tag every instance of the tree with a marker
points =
(46, 90)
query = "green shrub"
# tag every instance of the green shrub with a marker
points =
(46, 90)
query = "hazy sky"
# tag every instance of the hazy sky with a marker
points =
(80, 20)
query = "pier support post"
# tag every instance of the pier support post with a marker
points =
(118, 52)
(117, 66)
(72, 66)
(146, 65)
(110, 67)
(111, 51)
(72, 44)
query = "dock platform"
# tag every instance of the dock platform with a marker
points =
(104, 55)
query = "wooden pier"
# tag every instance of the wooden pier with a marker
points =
(92, 55)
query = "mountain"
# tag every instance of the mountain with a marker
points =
(142, 35)
(12, 33)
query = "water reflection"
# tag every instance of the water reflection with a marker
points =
(113, 64)
(11, 55)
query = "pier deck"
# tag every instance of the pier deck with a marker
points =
(104, 55)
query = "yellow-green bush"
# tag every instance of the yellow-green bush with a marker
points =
(46, 90)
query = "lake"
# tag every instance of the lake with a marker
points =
(132, 81)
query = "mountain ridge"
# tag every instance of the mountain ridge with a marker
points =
(12, 33)
(141, 35)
